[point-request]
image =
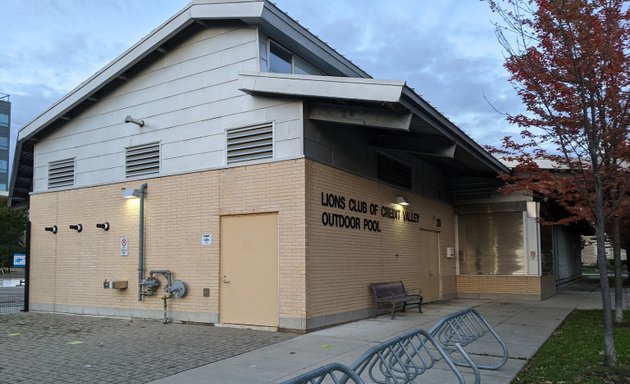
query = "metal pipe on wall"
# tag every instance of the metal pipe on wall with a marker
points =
(143, 189)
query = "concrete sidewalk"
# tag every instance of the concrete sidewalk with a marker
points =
(524, 326)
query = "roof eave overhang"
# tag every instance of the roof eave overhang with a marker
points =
(327, 91)
(419, 106)
(373, 91)
(312, 86)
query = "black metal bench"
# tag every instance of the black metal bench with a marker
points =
(458, 330)
(395, 295)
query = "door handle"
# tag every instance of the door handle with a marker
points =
(225, 279)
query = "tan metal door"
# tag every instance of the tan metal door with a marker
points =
(430, 274)
(249, 270)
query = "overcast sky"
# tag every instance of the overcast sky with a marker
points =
(446, 50)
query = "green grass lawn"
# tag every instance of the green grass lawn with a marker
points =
(573, 354)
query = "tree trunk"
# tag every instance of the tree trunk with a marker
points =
(610, 355)
(616, 240)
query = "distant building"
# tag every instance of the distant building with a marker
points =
(5, 129)
(589, 253)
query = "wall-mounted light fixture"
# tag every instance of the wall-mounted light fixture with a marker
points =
(130, 119)
(77, 227)
(130, 193)
(104, 226)
(401, 200)
(52, 229)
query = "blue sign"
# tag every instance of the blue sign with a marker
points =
(19, 260)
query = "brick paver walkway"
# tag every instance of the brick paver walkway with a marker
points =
(49, 348)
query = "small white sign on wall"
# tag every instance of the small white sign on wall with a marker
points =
(124, 246)
(206, 239)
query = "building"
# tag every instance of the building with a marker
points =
(5, 137)
(276, 181)
(589, 252)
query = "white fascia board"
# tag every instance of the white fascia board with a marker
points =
(321, 86)
(244, 10)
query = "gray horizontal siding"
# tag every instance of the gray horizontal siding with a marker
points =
(188, 98)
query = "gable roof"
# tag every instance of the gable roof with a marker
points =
(261, 13)
(196, 15)
(264, 14)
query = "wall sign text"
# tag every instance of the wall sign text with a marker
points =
(356, 206)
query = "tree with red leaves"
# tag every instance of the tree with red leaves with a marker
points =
(568, 61)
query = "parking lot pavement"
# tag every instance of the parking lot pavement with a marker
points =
(54, 348)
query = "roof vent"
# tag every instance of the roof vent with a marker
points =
(143, 160)
(61, 173)
(250, 143)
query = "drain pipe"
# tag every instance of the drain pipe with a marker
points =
(143, 189)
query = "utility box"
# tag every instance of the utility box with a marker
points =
(115, 284)
(119, 284)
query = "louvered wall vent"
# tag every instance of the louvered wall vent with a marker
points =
(393, 171)
(143, 160)
(250, 143)
(61, 173)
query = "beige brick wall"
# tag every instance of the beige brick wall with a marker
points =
(324, 271)
(518, 287)
(68, 269)
(341, 262)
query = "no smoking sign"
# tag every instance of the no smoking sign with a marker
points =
(124, 246)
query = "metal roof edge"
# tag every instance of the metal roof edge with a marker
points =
(450, 129)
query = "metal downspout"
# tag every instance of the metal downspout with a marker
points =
(143, 189)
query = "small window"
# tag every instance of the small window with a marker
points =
(279, 59)
(4, 166)
(61, 173)
(393, 171)
(3, 187)
(143, 160)
(250, 143)
(283, 61)
(4, 120)
(301, 67)
(4, 142)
